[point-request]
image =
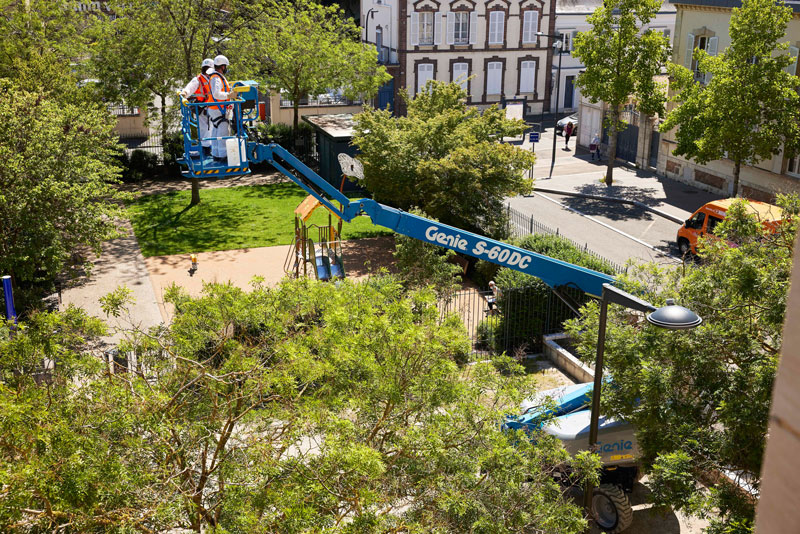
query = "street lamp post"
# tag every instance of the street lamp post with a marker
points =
(670, 316)
(557, 44)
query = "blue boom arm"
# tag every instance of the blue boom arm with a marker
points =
(551, 271)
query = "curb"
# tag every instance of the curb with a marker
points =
(611, 199)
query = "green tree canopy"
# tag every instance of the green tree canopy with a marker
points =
(700, 399)
(749, 110)
(149, 50)
(56, 192)
(445, 158)
(304, 48)
(622, 63)
(305, 408)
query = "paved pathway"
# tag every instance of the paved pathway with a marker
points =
(121, 264)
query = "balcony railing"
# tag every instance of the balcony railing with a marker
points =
(321, 100)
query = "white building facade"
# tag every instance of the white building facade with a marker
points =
(490, 47)
(571, 18)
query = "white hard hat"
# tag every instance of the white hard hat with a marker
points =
(220, 60)
(207, 62)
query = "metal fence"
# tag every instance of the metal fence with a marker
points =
(328, 99)
(518, 322)
(521, 225)
(152, 144)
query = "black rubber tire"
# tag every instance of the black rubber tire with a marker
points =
(684, 248)
(611, 509)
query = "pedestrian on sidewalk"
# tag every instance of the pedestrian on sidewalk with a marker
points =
(594, 147)
(567, 132)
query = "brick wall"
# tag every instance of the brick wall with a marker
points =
(757, 194)
(673, 166)
(709, 179)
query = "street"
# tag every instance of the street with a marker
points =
(617, 231)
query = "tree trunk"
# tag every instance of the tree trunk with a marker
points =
(195, 191)
(612, 145)
(736, 168)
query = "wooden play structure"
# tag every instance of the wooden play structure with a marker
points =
(323, 257)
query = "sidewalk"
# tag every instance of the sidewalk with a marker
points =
(574, 173)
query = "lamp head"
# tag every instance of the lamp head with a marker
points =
(674, 317)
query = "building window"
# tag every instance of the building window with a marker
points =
(426, 28)
(424, 73)
(567, 37)
(530, 25)
(527, 77)
(460, 74)
(494, 78)
(793, 166)
(461, 27)
(792, 68)
(496, 27)
(702, 42)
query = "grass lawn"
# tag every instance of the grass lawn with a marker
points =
(228, 218)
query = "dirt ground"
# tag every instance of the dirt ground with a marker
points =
(361, 258)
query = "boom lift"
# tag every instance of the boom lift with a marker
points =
(555, 273)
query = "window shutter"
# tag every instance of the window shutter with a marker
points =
(501, 26)
(494, 72)
(534, 26)
(572, 40)
(527, 77)
(792, 68)
(530, 26)
(473, 27)
(414, 28)
(689, 50)
(451, 27)
(460, 73)
(711, 49)
(437, 28)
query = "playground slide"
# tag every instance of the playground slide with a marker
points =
(337, 269)
(323, 267)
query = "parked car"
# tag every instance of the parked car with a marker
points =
(703, 221)
(560, 125)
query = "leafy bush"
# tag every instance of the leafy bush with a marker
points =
(524, 299)
(139, 165)
(422, 264)
(173, 151)
(487, 334)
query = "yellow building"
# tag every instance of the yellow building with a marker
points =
(704, 24)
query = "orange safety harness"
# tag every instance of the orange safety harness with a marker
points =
(225, 87)
(203, 92)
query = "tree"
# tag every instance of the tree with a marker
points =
(56, 182)
(304, 48)
(445, 158)
(622, 63)
(40, 29)
(750, 109)
(152, 49)
(700, 399)
(304, 408)
(421, 264)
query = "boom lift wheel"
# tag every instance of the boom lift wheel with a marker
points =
(611, 508)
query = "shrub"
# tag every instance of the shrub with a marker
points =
(173, 151)
(524, 299)
(488, 334)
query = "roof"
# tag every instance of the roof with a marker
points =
(794, 4)
(576, 7)
(763, 211)
(337, 126)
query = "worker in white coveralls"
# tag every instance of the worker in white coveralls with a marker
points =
(220, 124)
(199, 90)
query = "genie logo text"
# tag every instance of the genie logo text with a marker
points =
(495, 254)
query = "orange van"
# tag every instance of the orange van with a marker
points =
(704, 220)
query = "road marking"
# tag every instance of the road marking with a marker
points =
(606, 225)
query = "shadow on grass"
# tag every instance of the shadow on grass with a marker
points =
(274, 191)
(167, 224)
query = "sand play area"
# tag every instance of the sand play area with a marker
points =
(361, 258)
